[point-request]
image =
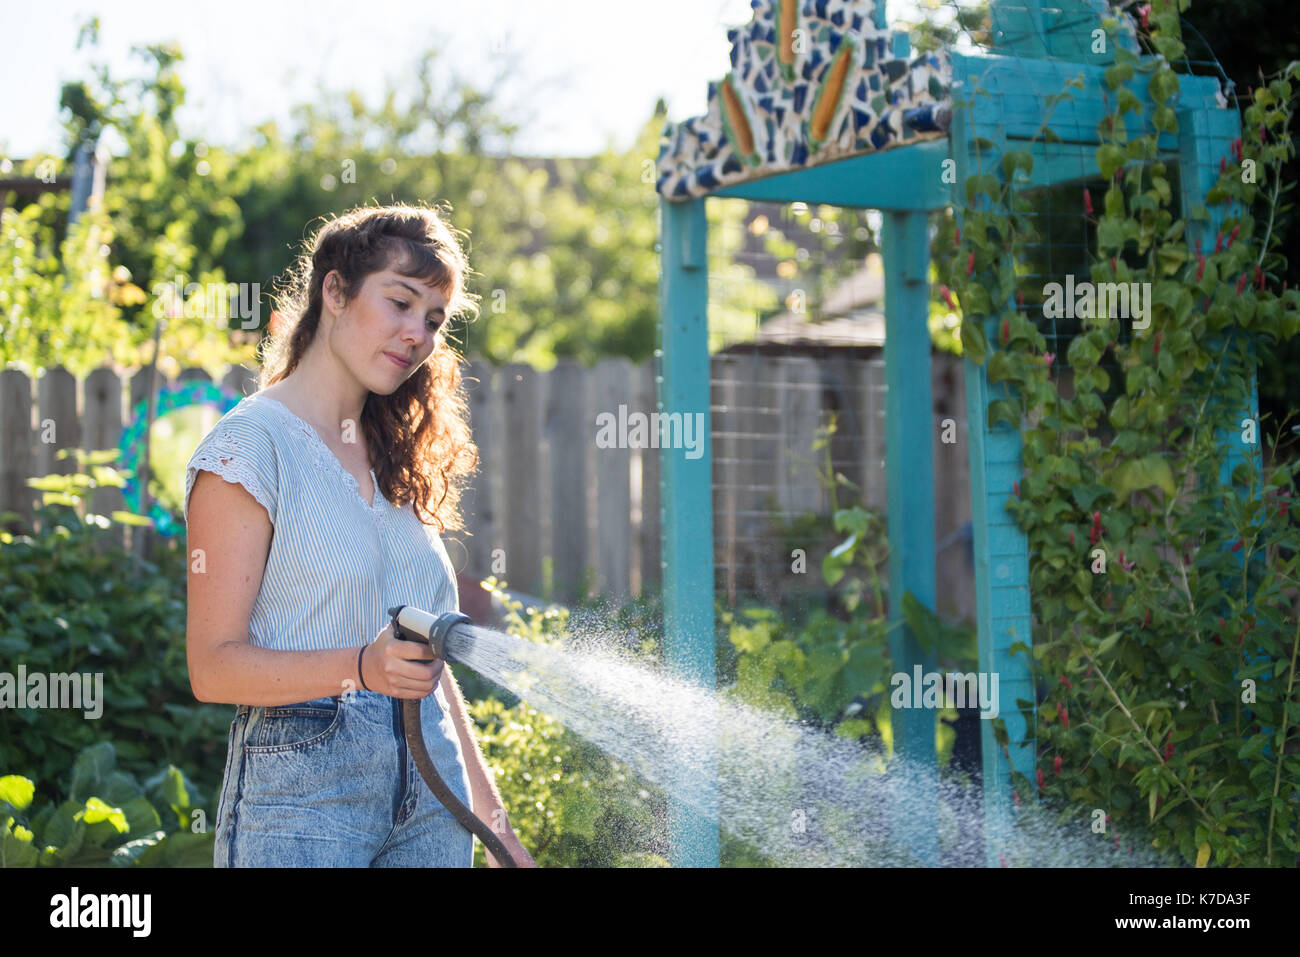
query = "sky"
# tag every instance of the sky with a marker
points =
(588, 71)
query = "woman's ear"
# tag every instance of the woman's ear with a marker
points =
(332, 291)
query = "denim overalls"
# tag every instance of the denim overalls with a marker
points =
(331, 783)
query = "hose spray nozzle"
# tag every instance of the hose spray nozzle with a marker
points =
(415, 624)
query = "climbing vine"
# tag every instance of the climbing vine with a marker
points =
(1165, 631)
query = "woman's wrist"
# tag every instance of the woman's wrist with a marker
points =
(361, 656)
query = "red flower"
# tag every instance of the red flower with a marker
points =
(1145, 11)
(1261, 133)
(1156, 348)
(1066, 681)
(1198, 245)
(1223, 165)
(970, 263)
(1218, 242)
(956, 236)
(1147, 620)
(1241, 284)
(1237, 547)
(1087, 202)
(1006, 331)
(1236, 231)
(1056, 764)
(1200, 265)
(1020, 298)
(1065, 717)
(1016, 795)
(1015, 487)
(1071, 536)
(1236, 148)
(1040, 777)
(946, 293)
(1113, 267)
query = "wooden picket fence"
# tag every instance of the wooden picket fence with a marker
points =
(554, 514)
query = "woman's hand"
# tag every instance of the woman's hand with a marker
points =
(517, 851)
(399, 668)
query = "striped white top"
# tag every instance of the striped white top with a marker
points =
(336, 564)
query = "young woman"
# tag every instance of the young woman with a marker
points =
(309, 509)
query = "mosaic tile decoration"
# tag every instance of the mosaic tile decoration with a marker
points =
(829, 88)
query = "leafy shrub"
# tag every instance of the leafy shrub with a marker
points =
(72, 602)
(107, 819)
(571, 804)
(1165, 636)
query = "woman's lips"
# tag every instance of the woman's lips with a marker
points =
(400, 362)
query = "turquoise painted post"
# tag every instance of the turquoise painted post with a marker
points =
(1204, 136)
(1002, 604)
(687, 506)
(909, 425)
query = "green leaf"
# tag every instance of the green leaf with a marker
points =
(185, 849)
(1110, 232)
(1151, 471)
(1128, 101)
(1014, 160)
(1107, 643)
(1109, 158)
(17, 791)
(1002, 366)
(845, 547)
(91, 770)
(17, 848)
(975, 300)
(982, 183)
(1085, 494)
(924, 623)
(974, 344)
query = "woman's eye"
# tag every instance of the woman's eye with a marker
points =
(436, 325)
(398, 303)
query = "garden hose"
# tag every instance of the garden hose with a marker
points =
(412, 624)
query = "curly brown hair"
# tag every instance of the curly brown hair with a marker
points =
(424, 423)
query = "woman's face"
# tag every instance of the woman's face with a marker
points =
(392, 317)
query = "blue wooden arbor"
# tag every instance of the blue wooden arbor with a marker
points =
(825, 105)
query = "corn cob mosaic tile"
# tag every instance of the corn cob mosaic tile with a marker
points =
(811, 81)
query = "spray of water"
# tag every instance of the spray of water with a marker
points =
(798, 795)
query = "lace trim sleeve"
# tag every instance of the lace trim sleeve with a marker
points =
(228, 456)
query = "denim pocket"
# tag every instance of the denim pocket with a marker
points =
(294, 727)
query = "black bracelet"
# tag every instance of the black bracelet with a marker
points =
(359, 674)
